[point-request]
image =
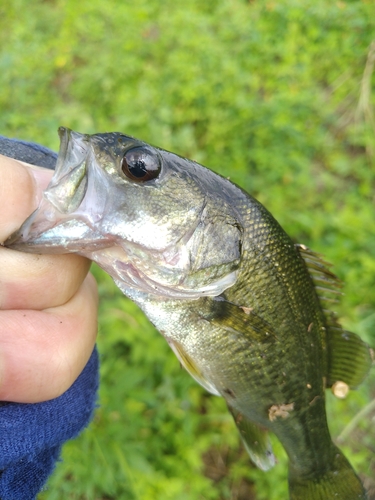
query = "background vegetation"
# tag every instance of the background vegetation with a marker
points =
(275, 94)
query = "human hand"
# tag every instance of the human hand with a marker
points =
(48, 303)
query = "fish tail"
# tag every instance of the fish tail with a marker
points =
(340, 482)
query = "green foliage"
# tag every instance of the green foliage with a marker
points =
(276, 95)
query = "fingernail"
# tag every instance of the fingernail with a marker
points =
(42, 177)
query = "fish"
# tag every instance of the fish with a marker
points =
(246, 310)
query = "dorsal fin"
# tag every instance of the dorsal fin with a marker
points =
(349, 358)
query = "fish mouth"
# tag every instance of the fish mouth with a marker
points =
(69, 183)
(58, 225)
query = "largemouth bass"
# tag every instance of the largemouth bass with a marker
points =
(243, 307)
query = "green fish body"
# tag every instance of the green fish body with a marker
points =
(243, 307)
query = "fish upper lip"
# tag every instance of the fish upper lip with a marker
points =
(66, 137)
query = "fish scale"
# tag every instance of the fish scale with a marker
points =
(242, 307)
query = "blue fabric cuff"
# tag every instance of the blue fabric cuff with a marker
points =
(28, 152)
(32, 434)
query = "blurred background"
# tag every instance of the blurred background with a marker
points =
(278, 95)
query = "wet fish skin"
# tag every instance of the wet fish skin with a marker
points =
(221, 280)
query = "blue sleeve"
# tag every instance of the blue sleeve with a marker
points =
(31, 435)
(28, 152)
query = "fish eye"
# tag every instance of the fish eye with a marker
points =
(140, 165)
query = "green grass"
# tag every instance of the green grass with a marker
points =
(275, 94)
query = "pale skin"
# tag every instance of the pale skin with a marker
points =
(48, 303)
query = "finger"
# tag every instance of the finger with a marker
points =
(43, 352)
(20, 192)
(31, 281)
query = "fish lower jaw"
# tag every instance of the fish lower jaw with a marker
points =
(135, 279)
(131, 280)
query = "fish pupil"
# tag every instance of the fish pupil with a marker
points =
(138, 168)
(140, 165)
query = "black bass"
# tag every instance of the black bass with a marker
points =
(243, 308)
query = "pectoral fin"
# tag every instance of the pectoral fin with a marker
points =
(241, 319)
(256, 441)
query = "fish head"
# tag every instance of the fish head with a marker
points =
(153, 220)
